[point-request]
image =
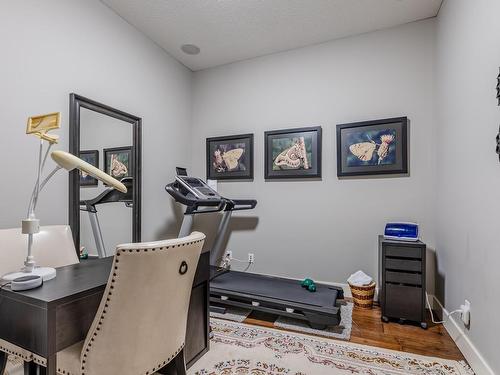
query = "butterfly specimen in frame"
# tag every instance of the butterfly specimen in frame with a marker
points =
(118, 169)
(227, 161)
(294, 156)
(232, 157)
(365, 151)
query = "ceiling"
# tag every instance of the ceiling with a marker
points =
(233, 30)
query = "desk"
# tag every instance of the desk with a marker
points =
(59, 314)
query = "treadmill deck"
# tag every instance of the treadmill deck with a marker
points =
(276, 288)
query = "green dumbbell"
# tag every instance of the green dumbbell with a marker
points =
(312, 288)
(306, 283)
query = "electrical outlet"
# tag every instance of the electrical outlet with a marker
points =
(251, 257)
(465, 312)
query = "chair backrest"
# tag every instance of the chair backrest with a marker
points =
(52, 247)
(141, 322)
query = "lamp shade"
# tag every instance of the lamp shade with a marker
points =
(69, 162)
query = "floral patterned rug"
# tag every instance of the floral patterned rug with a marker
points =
(240, 349)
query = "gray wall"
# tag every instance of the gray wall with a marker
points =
(325, 229)
(54, 47)
(468, 179)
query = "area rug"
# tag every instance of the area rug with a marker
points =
(341, 332)
(235, 314)
(241, 349)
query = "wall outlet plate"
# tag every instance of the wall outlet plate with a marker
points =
(251, 257)
(465, 312)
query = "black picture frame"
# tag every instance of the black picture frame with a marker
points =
(498, 88)
(359, 133)
(76, 103)
(126, 150)
(243, 166)
(91, 157)
(284, 140)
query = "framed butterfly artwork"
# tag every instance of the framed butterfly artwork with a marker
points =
(230, 157)
(378, 147)
(293, 153)
(118, 162)
(498, 89)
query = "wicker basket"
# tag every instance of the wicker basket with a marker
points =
(363, 295)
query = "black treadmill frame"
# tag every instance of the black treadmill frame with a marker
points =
(318, 317)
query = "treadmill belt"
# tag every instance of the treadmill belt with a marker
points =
(275, 287)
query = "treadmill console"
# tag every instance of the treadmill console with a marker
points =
(197, 187)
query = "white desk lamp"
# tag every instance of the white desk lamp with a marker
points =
(40, 126)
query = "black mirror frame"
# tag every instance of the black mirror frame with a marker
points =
(76, 102)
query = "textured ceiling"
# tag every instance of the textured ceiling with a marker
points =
(232, 30)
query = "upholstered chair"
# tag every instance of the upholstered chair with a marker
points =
(52, 247)
(140, 325)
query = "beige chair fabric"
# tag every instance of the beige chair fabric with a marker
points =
(52, 247)
(140, 325)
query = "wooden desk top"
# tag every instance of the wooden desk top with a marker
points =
(70, 281)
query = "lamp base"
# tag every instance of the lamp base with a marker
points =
(46, 273)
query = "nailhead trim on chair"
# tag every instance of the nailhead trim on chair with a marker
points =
(108, 300)
(64, 372)
(164, 363)
(39, 360)
(17, 354)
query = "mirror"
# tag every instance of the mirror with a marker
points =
(101, 217)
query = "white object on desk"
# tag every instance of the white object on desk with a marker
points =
(26, 283)
(40, 127)
(53, 245)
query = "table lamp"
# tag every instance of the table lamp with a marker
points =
(40, 126)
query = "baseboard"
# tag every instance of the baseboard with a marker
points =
(468, 349)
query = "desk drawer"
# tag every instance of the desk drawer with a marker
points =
(403, 278)
(404, 302)
(403, 252)
(403, 265)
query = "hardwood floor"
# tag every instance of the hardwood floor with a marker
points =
(368, 329)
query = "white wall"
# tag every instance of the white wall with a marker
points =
(468, 174)
(54, 47)
(325, 229)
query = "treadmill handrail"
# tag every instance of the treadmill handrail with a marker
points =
(112, 195)
(240, 204)
(194, 204)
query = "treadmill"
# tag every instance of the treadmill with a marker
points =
(275, 295)
(110, 195)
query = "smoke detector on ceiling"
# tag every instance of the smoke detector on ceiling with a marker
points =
(190, 49)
